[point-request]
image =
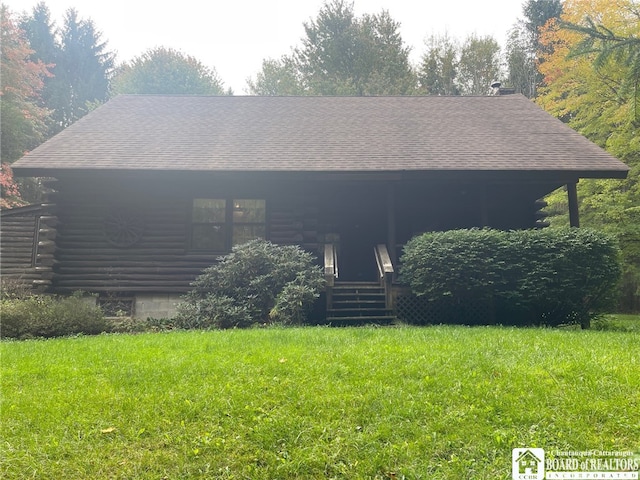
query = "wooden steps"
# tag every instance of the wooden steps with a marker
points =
(358, 303)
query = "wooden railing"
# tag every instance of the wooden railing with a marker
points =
(385, 272)
(330, 263)
(330, 270)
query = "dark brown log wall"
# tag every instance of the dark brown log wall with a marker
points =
(127, 235)
(130, 233)
(18, 245)
(122, 238)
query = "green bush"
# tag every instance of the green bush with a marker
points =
(13, 289)
(50, 316)
(549, 277)
(258, 282)
(456, 264)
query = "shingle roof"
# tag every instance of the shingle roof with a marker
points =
(329, 134)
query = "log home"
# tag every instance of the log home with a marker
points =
(18, 247)
(149, 190)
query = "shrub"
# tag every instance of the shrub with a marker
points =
(206, 310)
(294, 302)
(12, 289)
(50, 316)
(457, 264)
(126, 324)
(566, 274)
(549, 276)
(258, 282)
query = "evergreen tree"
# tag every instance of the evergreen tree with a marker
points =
(83, 72)
(524, 49)
(537, 13)
(80, 64)
(608, 46)
(40, 32)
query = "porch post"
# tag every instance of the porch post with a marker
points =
(391, 221)
(572, 193)
(484, 209)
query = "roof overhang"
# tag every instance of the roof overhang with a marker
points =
(391, 175)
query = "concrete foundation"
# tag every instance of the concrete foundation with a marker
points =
(155, 305)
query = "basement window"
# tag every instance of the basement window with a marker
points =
(114, 305)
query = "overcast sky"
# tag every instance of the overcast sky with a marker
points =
(235, 36)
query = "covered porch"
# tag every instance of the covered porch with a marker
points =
(355, 216)
(365, 222)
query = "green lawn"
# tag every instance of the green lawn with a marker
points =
(314, 403)
(618, 322)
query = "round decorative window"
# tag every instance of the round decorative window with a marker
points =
(123, 229)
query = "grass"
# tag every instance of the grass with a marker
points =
(618, 322)
(314, 403)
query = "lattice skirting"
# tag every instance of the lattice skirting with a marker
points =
(419, 311)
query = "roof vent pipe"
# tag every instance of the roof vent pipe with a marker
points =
(498, 89)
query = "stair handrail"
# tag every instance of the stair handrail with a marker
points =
(385, 271)
(330, 271)
(330, 263)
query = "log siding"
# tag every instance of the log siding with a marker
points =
(19, 240)
(132, 233)
(157, 256)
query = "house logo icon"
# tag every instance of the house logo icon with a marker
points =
(528, 463)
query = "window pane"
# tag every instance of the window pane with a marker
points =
(244, 233)
(209, 237)
(249, 211)
(209, 210)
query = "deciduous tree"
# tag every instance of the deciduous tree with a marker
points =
(164, 70)
(449, 68)
(327, 56)
(9, 191)
(537, 13)
(277, 77)
(523, 45)
(439, 68)
(383, 58)
(589, 91)
(342, 54)
(479, 65)
(520, 56)
(22, 118)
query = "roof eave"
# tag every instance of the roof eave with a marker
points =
(559, 173)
